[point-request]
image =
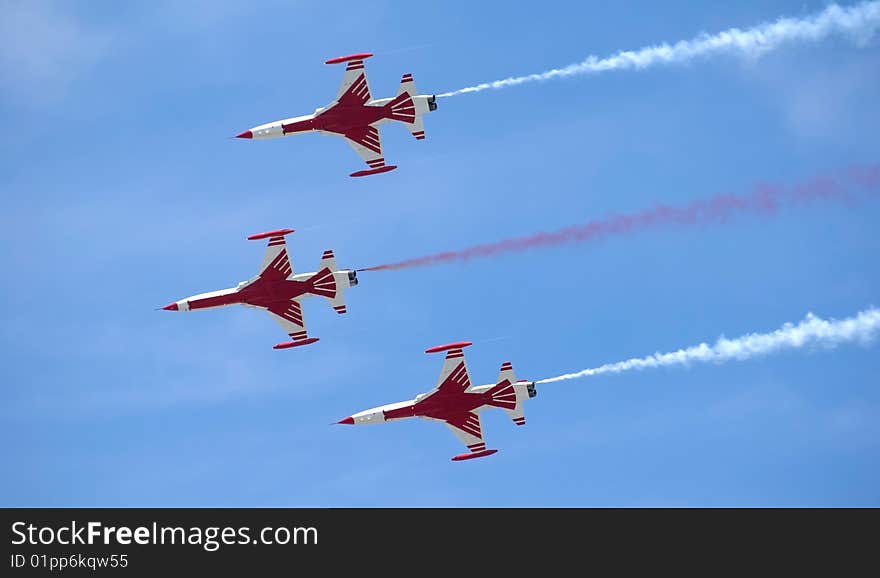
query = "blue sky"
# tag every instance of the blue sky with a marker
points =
(122, 191)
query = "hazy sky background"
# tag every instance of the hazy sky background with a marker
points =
(122, 191)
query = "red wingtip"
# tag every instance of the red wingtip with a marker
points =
(378, 171)
(245, 134)
(171, 307)
(347, 421)
(289, 344)
(462, 457)
(448, 346)
(359, 56)
(275, 233)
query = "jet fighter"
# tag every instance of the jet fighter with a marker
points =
(279, 291)
(456, 403)
(356, 117)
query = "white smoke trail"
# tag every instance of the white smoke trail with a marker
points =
(811, 331)
(859, 21)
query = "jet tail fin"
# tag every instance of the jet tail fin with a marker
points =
(417, 128)
(341, 281)
(328, 261)
(407, 85)
(518, 390)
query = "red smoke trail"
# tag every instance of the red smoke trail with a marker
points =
(764, 199)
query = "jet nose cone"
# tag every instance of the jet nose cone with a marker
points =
(347, 421)
(245, 134)
(170, 307)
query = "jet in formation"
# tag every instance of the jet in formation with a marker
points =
(356, 116)
(279, 291)
(456, 403)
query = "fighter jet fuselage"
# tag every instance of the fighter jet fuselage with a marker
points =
(279, 291)
(261, 292)
(355, 115)
(436, 405)
(456, 403)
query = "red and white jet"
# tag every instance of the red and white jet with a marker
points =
(454, 402)
(356, 117)
(279, 291)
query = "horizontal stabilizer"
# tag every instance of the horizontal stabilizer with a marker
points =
(342, 281)
(516, 391)
(328, 261)
(407, 85)
(418, 128)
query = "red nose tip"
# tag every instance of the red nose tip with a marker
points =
(245, 134)
(347, 421)
(170, 307)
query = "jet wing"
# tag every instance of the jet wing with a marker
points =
(454, 375)
(276, 262)
(289, 316)
(466, 427)
(354, 90)
(367, 144)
